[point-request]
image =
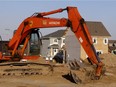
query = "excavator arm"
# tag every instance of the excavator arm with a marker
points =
(74, 20)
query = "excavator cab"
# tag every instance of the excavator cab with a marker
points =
(35, 42)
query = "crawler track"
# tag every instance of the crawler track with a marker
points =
(23, 68)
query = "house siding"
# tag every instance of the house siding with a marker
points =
(44, 47)
(100, 46)
(72, 46)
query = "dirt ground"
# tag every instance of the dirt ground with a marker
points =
(57, 78)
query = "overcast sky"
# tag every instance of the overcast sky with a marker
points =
(13, 12)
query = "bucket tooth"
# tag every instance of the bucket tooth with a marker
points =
(75, 78)
(9, 74)
(4, 74)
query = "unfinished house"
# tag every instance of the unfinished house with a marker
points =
(56, 40)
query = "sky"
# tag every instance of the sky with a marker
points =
(13, 12)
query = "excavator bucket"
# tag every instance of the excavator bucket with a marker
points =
(82, 72)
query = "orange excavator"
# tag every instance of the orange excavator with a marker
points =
(40, 20)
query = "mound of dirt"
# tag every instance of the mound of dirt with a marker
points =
(108, 59)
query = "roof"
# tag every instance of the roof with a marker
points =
(95, 29)
(112, 41)
(58, 33)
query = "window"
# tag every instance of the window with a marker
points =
(55, 40)
(99, 52)
(105, 41)
(114, 44)
(55, 50)
(63, 40)
(94, 40)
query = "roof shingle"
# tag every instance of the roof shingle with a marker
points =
(58, 33)
(97, 29)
